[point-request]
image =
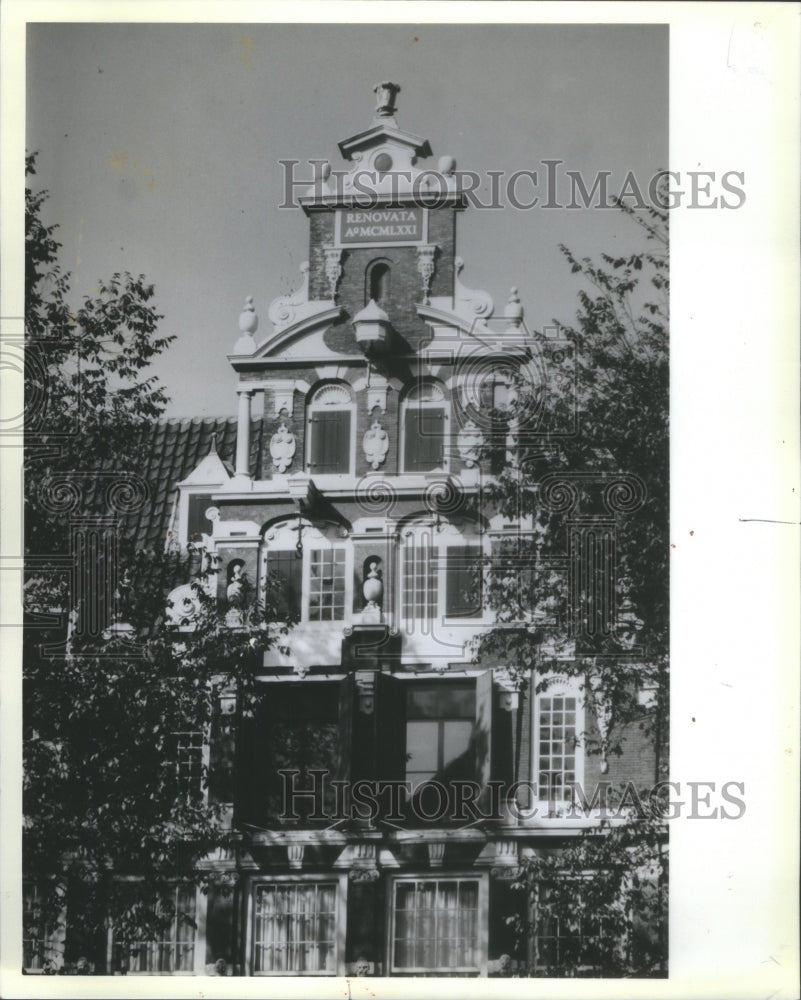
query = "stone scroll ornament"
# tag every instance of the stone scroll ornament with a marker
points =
(375, 444)
(282, 448)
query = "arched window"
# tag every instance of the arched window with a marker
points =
(424, 429)
(377, 281)
(331, 428)
(313, 566)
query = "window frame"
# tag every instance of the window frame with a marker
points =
(424, 536)
(577, 881)
(198, 942)
(283, 537)
(313, 405)
(440, 720)
(340, 882)
(560, 686)
(482, 923)
(407, 403)
(51, 938)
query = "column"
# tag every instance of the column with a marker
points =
(243, 433)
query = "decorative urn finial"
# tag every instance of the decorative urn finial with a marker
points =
(248, 325)
(248, 320)
(513, 311)
(385, 99)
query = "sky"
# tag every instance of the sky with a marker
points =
(160, 147)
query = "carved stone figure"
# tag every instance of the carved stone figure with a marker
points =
(282, 448)
(236, 588)
(469, 443)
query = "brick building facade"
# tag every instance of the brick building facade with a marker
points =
(359, 478)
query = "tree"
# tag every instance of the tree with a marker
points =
(552, 621)
(119, 799)
(598, 906)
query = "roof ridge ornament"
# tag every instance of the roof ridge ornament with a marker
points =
(385, 99)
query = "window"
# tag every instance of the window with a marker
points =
(197, 523)
(295, 928)
(330, 430)
(439, 724)
(315, 586)
(377, 282)
(568, 944)
(326, 585)
(40, 945)
(559, 721)
(175, 950)
(419, 579)
(436, 926)
(442, 576)
(424, 428)
(463, 581)
(189, 763)
(288, 568)
(299, 726)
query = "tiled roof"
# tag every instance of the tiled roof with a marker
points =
(174, 448)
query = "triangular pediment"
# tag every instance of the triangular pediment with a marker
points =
(383, 135)
(210, 472)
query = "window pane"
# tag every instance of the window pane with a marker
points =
(419, 581)
(557, 742)
(175, 950)
(295, 928)
(436, 925)
(455, 739)
(441, 700)
(327, 585)
(463, 581)
(422, 740)
(289, 569)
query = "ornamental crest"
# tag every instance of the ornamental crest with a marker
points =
(375, 444)
(282, 448)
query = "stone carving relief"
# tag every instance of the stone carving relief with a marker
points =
(282, 448)
(469, 443)
(375, 444)
(472, 303)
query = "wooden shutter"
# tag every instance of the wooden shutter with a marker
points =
(483, 735)
(330, 441)
(222, 757)
(463, 581)
(345, 734)
(424, 439)
(287, 566)
(390, 729)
